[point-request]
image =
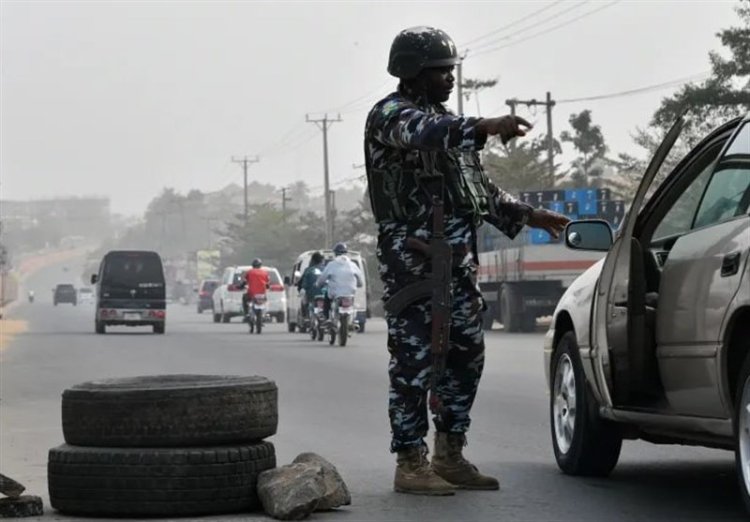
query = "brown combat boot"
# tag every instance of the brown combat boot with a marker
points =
(450, 464)
(415, 476)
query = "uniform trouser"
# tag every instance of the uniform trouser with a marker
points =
(410, 366)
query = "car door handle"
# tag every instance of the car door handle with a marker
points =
(730, 265)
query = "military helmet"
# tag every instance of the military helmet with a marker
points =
(419, 48)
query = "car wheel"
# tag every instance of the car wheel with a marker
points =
(157, 482)
(159, 328)
(742, 432)
(200, 310)
(291, 327)
(583, 443)
(150, 411)
(100, 327)
(224, 317)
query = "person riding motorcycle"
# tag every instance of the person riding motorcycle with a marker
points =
(256, 281)
(342, 275)
(307, 283)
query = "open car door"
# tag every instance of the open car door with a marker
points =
(618, 309)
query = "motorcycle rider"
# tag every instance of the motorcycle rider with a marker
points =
(342, 275)
(307, 282)
(256, 281)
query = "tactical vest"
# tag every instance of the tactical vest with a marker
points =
(405, 195)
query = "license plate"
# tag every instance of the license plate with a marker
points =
(131, 317)
(345, 310)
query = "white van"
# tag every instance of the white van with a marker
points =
(293, 298)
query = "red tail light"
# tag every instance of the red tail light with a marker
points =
(158, 314)
(204, 294)
(276, 288)
(233, 288)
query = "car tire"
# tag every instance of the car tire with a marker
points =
(163, 482)
(291, 327)
(742, 432)
(224, 317)
(100, 327)
(361, 327)
(583, 443)
(159, 328)
(217, 317)
(280, 317)
(151, 411)
(200, 310)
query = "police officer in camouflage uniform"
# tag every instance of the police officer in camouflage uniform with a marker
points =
(416, 149)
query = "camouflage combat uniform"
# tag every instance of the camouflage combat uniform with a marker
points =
(408, 141)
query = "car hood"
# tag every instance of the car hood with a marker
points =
(577, 299)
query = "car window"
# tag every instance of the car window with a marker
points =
(273, 277)
(679, 218)
(728, 192)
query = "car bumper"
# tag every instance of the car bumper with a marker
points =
(549, 339)
(131, 317)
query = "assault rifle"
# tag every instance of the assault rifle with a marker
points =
(437, 287)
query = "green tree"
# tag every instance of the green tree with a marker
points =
(587, 139)
(519, 166)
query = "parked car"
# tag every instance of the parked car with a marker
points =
(85, 296)
(65, 293)
(227, 298)
(206, 293)
(653, 341)
(130, 291)
(361, 297)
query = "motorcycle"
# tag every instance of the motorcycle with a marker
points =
(342, 319)
(317, 318)
(255, 312)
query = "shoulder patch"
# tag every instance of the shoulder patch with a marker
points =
(389, 107)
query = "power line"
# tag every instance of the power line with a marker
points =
(511, 24)
(546, 31)
(638, 90)
(536, 24)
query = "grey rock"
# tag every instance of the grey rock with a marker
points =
(10, 487)
(291, 492)
(24, 506)
(336, 492)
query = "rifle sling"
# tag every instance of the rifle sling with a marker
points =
(409, 294)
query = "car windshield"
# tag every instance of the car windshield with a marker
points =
(273, 277)
(131, 270)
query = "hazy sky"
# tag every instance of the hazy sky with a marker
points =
(124, 98)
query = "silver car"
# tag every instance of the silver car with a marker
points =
(653, 342)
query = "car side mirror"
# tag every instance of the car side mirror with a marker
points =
(297, 274)
(287, 281)
(590, 234)
(94, 279)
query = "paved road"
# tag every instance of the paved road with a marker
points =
(332, 401)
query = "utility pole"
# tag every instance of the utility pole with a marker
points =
(333, 214)
(245, 162)
(324, 124)
(548, 104)
(459, 83)
(284, 199)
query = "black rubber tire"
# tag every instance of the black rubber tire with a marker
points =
(508, 309)
(217, 317)
(100, 327)
(137, 482)
(159, 328)
(313, 332)
(321, 332)
(225, 317)
(596, 442)
(343, 330)
(280, 317)
(259, 321)
(742, 380)
(291, 327)
(361, 328)
(170, 411)
(200, 310)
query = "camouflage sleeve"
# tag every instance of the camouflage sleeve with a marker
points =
(506, 213)
(404, 126)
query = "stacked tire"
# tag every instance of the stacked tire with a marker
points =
(174, 445)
